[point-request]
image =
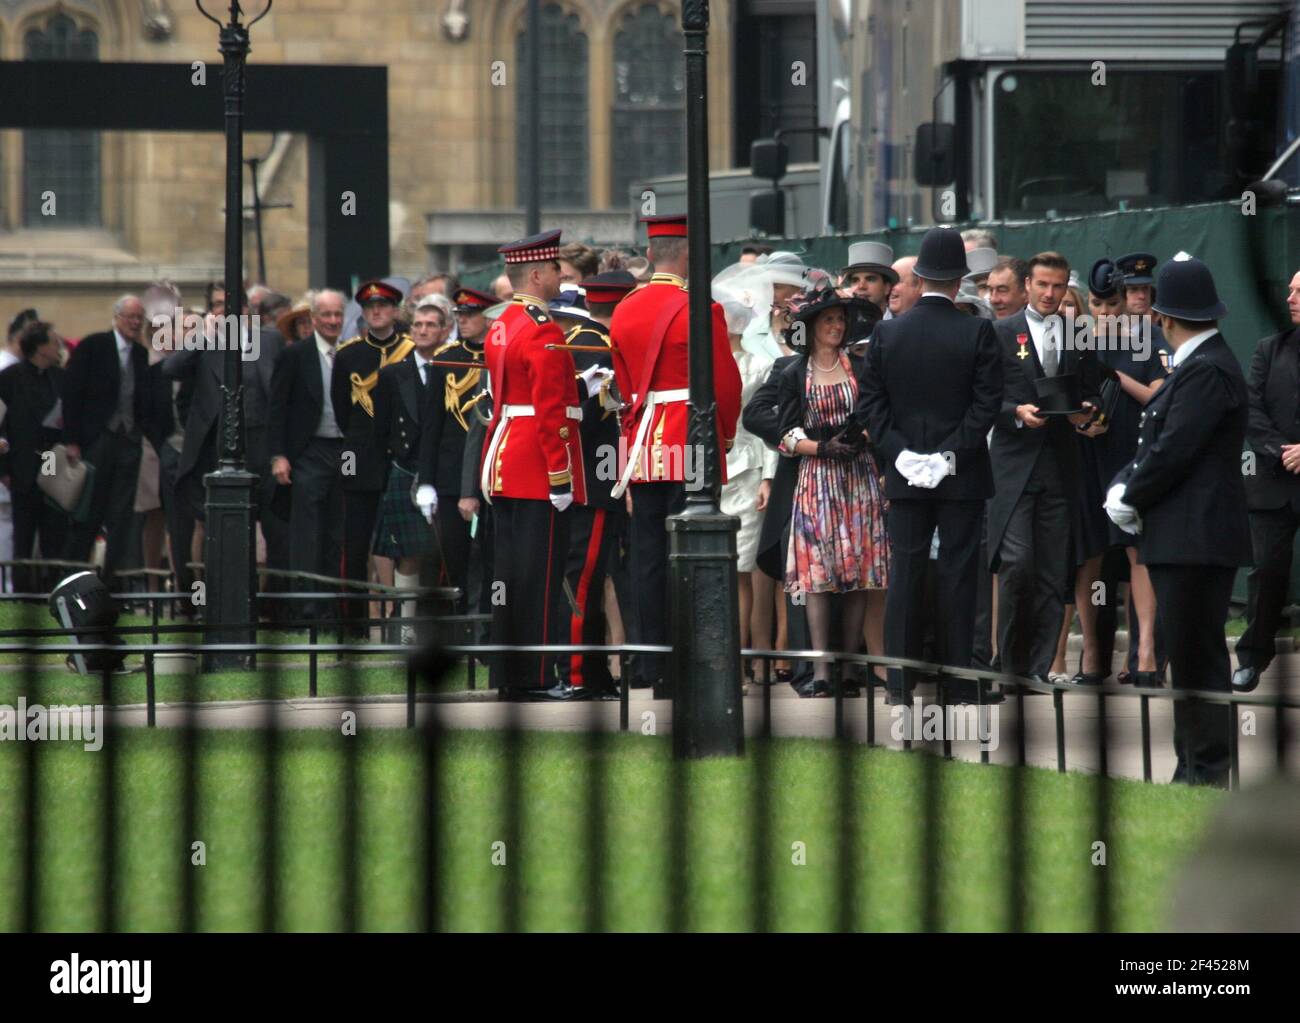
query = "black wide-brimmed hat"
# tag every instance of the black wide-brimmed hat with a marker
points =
(942, 256)
(1185, 290)
(860, 316)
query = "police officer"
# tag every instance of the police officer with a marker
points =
(531, 470)
(363, 466)
(649, 330)
(1184, 497)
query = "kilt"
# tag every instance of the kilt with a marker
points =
(401, 531)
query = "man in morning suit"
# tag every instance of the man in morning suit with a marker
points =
(531, 470)
(364, 467)
(307, 447)
(933, 389)
(649, 330)
(1185, 498)
(1272, 490)
(1035, 460)
(104, 391)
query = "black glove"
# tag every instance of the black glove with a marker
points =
(836, 450)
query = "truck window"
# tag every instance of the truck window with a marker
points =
(1145, 138)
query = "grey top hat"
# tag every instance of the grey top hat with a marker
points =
(981, 262)
(872, 256)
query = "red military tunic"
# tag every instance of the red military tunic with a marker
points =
(660, 410)
(533, 442)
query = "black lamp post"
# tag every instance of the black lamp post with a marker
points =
(229, 551)
(705, 663)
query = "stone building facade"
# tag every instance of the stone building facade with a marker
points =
(132, 206)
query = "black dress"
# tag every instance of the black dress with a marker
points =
(1103, 457)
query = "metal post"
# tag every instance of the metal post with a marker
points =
(229, 554)
(705, 621)
(533, 121)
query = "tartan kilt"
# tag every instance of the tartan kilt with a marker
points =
(401, 531)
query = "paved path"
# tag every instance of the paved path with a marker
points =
(793, 717)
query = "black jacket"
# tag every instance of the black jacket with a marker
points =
(440, 459)
(762, 417)
(297, 397)
(1015, 448)
(1274, 420)
(1186, 479)
(360, 356)
(29, 395)
(402, 414)
(91, 384)
(934, 385)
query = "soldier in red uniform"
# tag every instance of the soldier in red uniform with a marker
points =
(531, 470)
(650, 330)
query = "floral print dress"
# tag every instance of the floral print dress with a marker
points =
(837, 528)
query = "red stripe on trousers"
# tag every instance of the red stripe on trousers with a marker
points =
(584, 585)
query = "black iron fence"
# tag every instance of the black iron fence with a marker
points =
(428, 689)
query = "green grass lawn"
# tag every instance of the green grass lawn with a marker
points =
(560, 884)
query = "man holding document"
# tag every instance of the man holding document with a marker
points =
(1183, 496)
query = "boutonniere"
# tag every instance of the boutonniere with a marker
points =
(1023, 341)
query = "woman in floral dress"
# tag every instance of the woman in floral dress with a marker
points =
(838, 543)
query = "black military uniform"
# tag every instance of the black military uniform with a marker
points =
(1185, 483)
(363, 465)
(596, 528)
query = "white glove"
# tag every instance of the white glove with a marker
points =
(426, 499)
(594, 377)
(1123, 515)
(563, 500)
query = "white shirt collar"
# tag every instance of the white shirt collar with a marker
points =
(324, 347)
(936, 294)
(1185, 350)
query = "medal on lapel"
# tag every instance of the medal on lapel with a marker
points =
(1023, 341)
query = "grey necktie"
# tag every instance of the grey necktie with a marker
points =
(1051, 355)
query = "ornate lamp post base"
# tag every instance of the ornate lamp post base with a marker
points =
(229, 557)
(705, 662)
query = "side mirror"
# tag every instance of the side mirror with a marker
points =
(935, 162)
(767, 212)
(768, 159)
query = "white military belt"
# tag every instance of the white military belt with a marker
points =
(643, 432)
(508, 412)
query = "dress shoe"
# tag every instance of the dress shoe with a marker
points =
(1150, 679)
(966, 691)
(812, 687)
(562, 692)
(1245, 679)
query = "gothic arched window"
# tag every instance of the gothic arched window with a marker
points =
(649, 125)
(64, 162)
(563, 103)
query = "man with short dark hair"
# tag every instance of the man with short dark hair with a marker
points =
(1006, 287)
(1036, 473)
(1184, 496)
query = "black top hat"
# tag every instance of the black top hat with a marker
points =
(1137, 268)
(860, 317)
(1104, 279)
(1060, 395)
(942, 256)
(1186, 291)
